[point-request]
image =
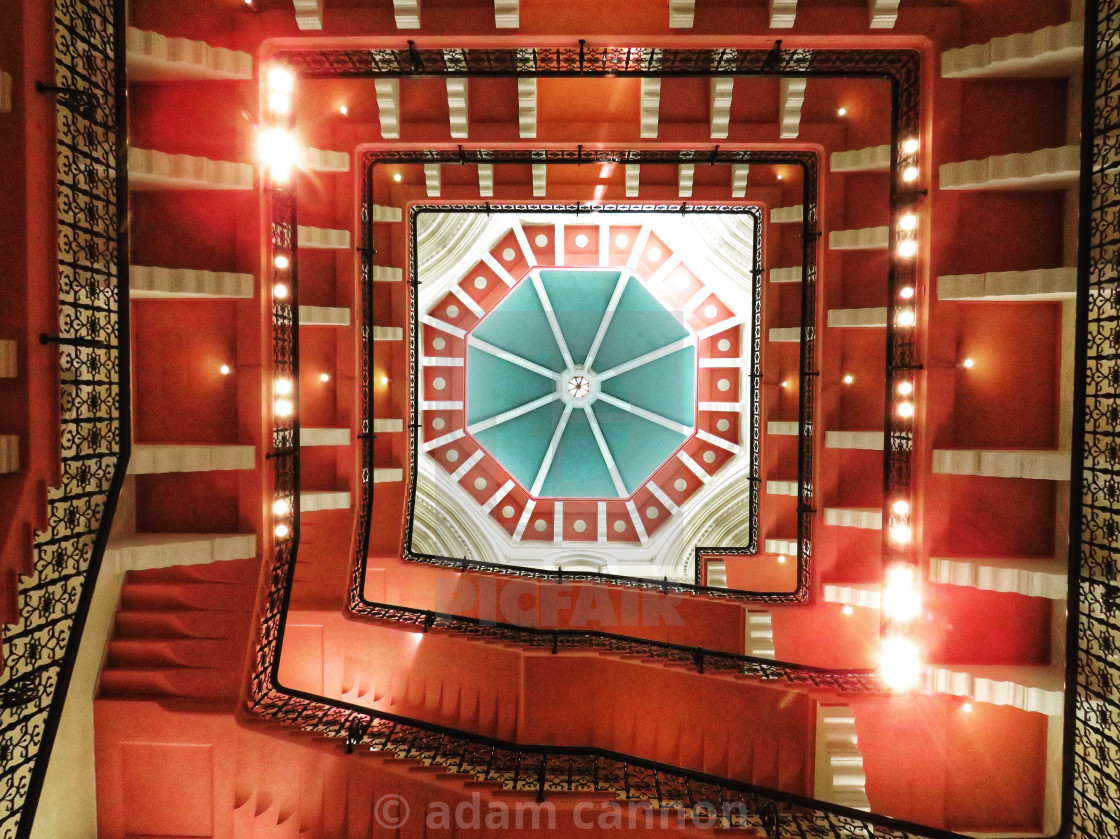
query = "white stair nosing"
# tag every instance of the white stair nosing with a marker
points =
(156, 282)
(323, 237)
(871, 318)
(388, 476)
(1047, 578)
(152, 56)
(870, 159)
(787, 215)
(324, 160)
(1056, 168)
(1053, 51)
(1043, 284)
(317, 501)
(163, 458)
(1041, 464)
(310, 436)
(861, 239)
(324, 316)
(149, 169)
(863, 440)
(143, 551)
(863, 518)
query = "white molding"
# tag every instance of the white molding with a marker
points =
(794, 214)
(1036, 689)
(1054, 51)
(153, 282)
(862, 318)
(507, 14)
(633, 175)
(406, 14)
(759, 641)
(786, 275)
(1030, 577)
(309, 14)
(784, 547)
(686, 172)
(150, 169)
(870, 159)
(160, 458)
(527, 107)
(862, 239)
(315, 501)
(387, 214)
(1046, 465)
(432, 181)
(309, 436)
(791, 98)
(721, 89)
(864, 440)
(882, 13)
(324, 316)
(785, 335)
(388, 476)
(9, 359)
(716, 574)
(1040, 284)
(388, 94)
(324, 160)
(782, 429)
(839, 775)
(164, 550)
(322, 237)
(388, 333)
(1057, 168)
(864, 518)
(783, 14)
(540, 180)
(9, 454)
(864, 595)
(486, 180)
(387, 274)
(740, 172)
(387, 426)
(650, 106)
(788, 488)
(152, 56)
(682, 14)
(458, 90)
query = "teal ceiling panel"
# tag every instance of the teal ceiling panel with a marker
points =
(519, 325)
(665, 386)
(495, 385)
(580, 300)
(638, 446)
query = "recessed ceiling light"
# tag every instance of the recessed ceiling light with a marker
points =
(841, 112)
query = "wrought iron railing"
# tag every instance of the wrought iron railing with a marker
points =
(92, 347)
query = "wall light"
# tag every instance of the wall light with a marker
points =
(905, 317)
(224, 370)
(279, 103)
(384, 380)
(280, 291)
(900, 663)
(785, 382)
(906, 292)
(847, 610)
(900, 533)
(906, 409)
(281, 531)
(908, 222)
(902, 599)
(781, 559)
(848, 379)
(324, 377)
(342, 109)
(278, 152)
(969, 363)
(281, 80)
(281, 261)
(905, 388)
(910, 174)
(901, 507)
(841, 112)
(910, 145)
(281, 506)
(282, 408)
(283, 386)
(908, 248)
(967, 707)
(397, 177)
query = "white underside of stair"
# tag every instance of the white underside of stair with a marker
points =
(388, 476)
(1036, 689)
(147, 282)
(861, 239)
(164, 550)
(150, 169)
(323, 238)
(388, 333)
(1054, 51)
(782, 488)
(871, 159)
(785, 547)
(387, 426)
(310, 436)
(155, 57)
(873, 318)
(839, 776)
(148, 459)
(784, 429)
(760, 635)
(717, 574)
(865, 440)
(865, 518)
(1057, 168)
(785, 335)
(314, 501)
(786, 275)
(1010, 286)
(864, 595)
(324, 316)
(1030, 577)
(324, 160)
(787, 215)
(1042, 465)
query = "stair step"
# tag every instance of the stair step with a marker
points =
(205, 597)
(208, 684)
(185, 623)
(161, 653)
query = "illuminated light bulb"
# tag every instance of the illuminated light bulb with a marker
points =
(908, 248)
(900, 664)
(847, 610)
(278, 152)
(905, 388)
(397, 177)
(342, 109)
(785, 383)
(900, 533)
(901, 507)
(967, 707)
(283, 386)
(779, 176)
(282, 408)
(910, 145)
(280, 291)
(906, 409)
(384, 380)
(281, 507)
(224, 369)
(781, 559)
(841, 112)
(908, 222)
(279, 103)
(906, 317)
(902, 599)
(848, 379)
(906, 292)
(281, 80)
(968, 362)
(324, 377)
(281, 261)
(910, 174)
(281, 531)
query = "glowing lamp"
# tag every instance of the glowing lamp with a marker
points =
(902, 599)
(906, 292)
(283, 386)
(908, 222)
(281, 261)
(901, 534)
(901, 507)
(910, 174)
(283, 408)
(224, 369)
(907, 248)
(278, 152)
(968, 362)
(910, 145)
(905, 388)
(281, 507)
(281, 80)
(848, 379)
(280, 291)
(906, 317)
(281, 531)
(324, 377)
(900, 664)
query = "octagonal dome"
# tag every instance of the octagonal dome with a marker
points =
(581, 383)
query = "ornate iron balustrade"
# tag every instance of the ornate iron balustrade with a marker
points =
(92, 343)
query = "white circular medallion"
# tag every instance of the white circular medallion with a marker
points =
(438, 423)
(680, 485)
(507, 512)
(508, 254)
(709, 457)
(453, 311)
(654, 254)
(710, 311)
(539, 525)
(620, 526)
(724, 345)
(578, 387)
(452, 456)
(480, 282)
(723, 425)
(438, 384)
(541, 240)
(579, 526)
(724, 384)
(438, 343)
(622, 240)
(581, 240)
(652, 512)
(480, 483)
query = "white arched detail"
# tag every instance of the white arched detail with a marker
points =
(443, 526)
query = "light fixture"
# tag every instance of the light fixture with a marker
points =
(900, 664)
(910, 174)
(342, 109)
(900, 533)
(280, 291)
(848, 379)
(282, 408)
(281, 261)
(781, 559)
(908, 248)
(779, 176)
(847, 610)
(324, 377)
(397, 177)
(283, 386)
(281, 507)
(785, 382)
(842, 112)
(910, 145)
(279, 103)
(902, 599)
(384, 380)
(906, 409)
(968, 362)
(908, 222)
(281, 531)
(967, 707)
(901, 507)
(278, 152)
(906, 317)
(906, 292)
(280, 80)
(224, 369)
(905, 388)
